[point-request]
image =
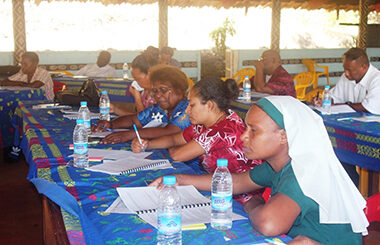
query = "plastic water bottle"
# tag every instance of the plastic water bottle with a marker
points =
(221, 197)
(80, 139)
(125, 71)
(104, 106)
(326, 101)
(169, 214)
(247, 89)
(84, 113)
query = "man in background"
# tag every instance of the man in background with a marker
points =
(30, 75)
(359, 85)
(102, 67)
(279, 83)
(166, 57)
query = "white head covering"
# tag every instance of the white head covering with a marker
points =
(317, 169)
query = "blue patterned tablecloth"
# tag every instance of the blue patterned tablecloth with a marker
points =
(85, 195)
(8, 102)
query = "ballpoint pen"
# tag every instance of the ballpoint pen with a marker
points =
(138, 136)
(344, 118)
(108, 129)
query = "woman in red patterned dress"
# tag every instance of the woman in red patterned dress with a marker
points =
(215, 131)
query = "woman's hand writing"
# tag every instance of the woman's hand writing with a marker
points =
(137, 147)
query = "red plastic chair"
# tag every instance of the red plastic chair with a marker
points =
(58, 86)
(372, 211)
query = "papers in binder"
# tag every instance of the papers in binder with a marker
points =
(143, 201)
(129, 165)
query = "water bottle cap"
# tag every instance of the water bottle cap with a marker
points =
(246, 77)
(327, 87)
(104, 92)
(222, 162)
(83, 103)
(169, 180)
(80, 121)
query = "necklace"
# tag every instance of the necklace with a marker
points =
(220, 118)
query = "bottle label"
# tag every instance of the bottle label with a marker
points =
(87, 124)
(104, 110)
(221, 201)
(80, 148)
(169, 223)
(326, 103)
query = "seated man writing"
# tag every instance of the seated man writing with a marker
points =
(280, 82)
(167, 117)
(30, 75)
(359, 85)
(215, 131)
(312, 200)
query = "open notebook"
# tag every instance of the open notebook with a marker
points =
(129, 165)
(143, 201)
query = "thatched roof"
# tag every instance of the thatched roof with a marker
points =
(305, 4)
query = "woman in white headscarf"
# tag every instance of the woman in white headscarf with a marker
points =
(312, 195)
(313, 200)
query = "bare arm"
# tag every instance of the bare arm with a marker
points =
(35, 84)
(163, 142)
(242, 183)
(138, 99)
(121, 109)
(274, 217)
(125, 122)
(147, 133)
(358, 107)
(259, 80)
(187, 151)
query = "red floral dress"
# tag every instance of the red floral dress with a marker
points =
(222, 140)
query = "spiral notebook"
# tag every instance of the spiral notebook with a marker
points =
(143, 201)
(129, 165)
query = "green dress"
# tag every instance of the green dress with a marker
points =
(307, 222)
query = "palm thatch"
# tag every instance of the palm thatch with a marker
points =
(305, 4)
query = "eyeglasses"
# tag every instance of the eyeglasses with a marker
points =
(162, 90)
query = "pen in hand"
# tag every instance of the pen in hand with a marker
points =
(138, 136)
(108, 129)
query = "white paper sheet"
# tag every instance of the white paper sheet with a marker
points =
(129, 165)
(50, 106)
(105, 133)
(336, 109)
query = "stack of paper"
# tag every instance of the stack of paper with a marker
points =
(143, 201)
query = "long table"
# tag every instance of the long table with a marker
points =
(354, 142)
(84, 195)
(9, 99)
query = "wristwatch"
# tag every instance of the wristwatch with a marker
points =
(348, 103)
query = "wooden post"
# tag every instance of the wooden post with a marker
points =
(363, 25)
(276, 20)
(19, 35)
(163, 23)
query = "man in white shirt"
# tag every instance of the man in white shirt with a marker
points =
(30, 75)
(359, 86)
(102, 67)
